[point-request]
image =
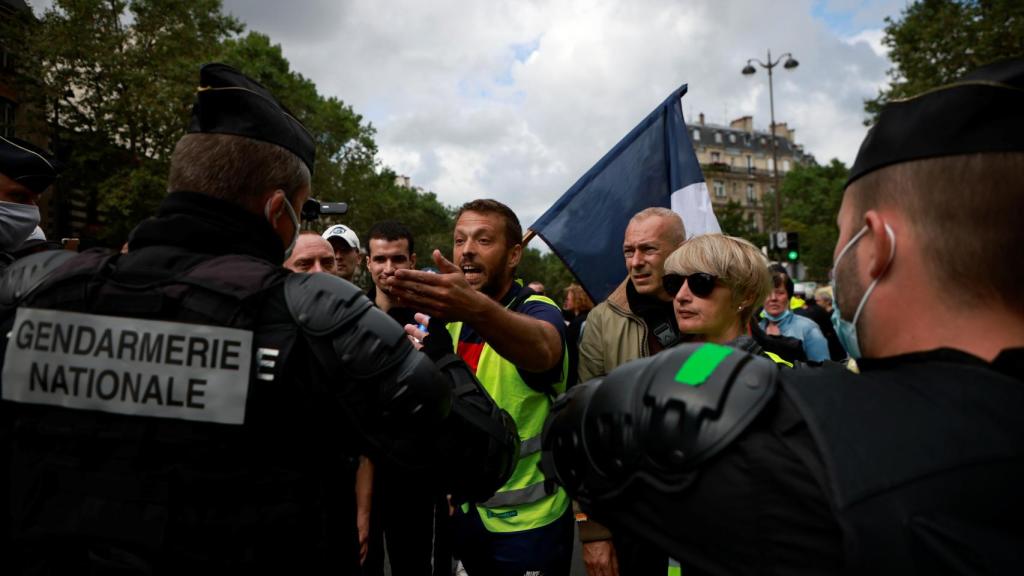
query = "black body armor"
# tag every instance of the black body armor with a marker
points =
(331, 378)
(920, 457)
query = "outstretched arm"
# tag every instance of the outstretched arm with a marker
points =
(531, 344)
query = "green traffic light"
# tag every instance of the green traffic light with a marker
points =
(793, 255)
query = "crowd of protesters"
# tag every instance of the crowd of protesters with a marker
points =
(681, 297)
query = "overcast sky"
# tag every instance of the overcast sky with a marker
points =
(516, 99)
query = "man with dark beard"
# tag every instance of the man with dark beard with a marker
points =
(513, 340)
(913, 464)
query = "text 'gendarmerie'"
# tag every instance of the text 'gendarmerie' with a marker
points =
(128, 366)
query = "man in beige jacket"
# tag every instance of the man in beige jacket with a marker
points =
(634, 322)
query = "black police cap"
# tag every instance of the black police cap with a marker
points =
(229, 102)
(981, 112)
(28, 165)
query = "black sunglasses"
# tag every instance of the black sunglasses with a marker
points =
(701, 284)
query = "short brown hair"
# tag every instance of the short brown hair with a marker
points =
(234, 168)
(581, 300)
(513, 230)
(966, 211)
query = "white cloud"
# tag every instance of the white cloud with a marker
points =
(871, 37)
(515, 99)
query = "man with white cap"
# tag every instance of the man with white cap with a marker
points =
(347, 252)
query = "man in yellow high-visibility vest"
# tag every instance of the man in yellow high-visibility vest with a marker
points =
(513, 339)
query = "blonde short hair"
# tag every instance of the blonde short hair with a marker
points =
(824, 292)
(737, 263)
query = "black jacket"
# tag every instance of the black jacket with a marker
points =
(96, 491)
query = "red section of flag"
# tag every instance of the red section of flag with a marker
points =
(470, 353)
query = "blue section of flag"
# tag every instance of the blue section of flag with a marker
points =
(586, 225)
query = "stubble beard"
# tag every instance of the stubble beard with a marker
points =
(850, 290)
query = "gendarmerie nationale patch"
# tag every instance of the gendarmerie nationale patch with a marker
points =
(128, 366)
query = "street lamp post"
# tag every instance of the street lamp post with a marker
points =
(789, 64)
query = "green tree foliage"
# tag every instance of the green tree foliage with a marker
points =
(547, 269)
(811, 198)
(734, 222)
(116, 80)
(124, 69)
(936, 41)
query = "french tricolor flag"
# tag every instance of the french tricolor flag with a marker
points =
(654, 165)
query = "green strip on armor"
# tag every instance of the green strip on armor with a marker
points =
(701, 364)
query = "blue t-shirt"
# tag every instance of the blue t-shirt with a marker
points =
(805, 330)
(471, 344)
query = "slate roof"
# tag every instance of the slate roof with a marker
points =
(738, 141)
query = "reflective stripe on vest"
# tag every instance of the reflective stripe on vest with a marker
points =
(529, 446)
(777, 359)
(523, 502)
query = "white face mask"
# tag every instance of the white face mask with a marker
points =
(846, 330)
(295, 224)
(17, 221)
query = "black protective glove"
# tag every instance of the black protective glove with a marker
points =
(438, 342)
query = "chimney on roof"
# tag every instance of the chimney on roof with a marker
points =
(745, 123)
(782, 130)
(701, 118)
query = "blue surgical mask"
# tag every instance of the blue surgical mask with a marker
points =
(17, 221)
(846, 330)
(778, 318)
(295, 224)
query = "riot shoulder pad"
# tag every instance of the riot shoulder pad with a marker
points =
(654, 420)
(27, 273)
(395, 395)
(322, 303)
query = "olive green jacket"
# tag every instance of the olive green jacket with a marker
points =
(612, 336)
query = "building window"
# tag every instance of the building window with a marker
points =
(6, 118)
(696, 135)
(719, 190)
(771, 163)
(732, 138)
(785, 165)
(750, 164)
(762, 141)
(751, 194)
(716, 157)
(718, 137)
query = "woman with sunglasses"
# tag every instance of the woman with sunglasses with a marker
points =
(718, 282)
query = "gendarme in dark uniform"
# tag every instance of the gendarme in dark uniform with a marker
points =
(915, 464)
(25, 173)
(193, 407)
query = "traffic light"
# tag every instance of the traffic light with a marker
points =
(792, 246)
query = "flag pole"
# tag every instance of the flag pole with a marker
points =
(528, 236)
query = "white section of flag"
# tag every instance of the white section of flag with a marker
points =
(693, 204)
